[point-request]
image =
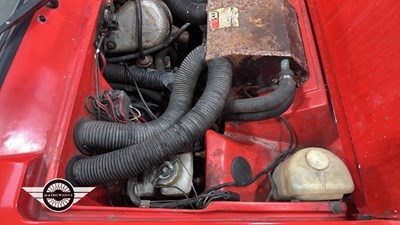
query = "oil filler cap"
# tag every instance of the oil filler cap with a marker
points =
(317, 159)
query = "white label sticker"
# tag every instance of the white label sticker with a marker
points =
(224, 17)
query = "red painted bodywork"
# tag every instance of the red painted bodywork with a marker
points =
(358, 43)
(357, 117)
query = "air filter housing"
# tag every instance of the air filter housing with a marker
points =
(256, 35)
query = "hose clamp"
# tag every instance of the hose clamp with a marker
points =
(145, 203)
(284, 74)
(287, 76)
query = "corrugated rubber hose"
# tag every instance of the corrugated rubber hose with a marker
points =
(133, 160)
(188, 11)
(102, 136)
(145, 78)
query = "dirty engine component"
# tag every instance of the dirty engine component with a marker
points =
(256, 36)
(155, 19)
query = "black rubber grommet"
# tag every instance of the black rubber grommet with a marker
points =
(241, 171)
(69, 175)
(78, 142)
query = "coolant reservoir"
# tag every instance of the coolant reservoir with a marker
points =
(312, 174)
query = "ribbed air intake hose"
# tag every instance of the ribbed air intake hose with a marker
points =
(135, 159)
(102, 136)
(145, 78)
(188, 11)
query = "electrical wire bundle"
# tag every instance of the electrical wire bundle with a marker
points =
(110, 107)
(197, 202)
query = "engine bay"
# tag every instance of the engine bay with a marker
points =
(188, 111)
(192, 112)
(200, 112)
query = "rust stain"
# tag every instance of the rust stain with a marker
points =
(267, 29)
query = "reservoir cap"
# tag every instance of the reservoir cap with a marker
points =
(317, 159)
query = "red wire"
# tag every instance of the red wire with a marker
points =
(112, 107)
(120, 108)
(113, 110)
(143, 120)
(104, 62)
(103, 107)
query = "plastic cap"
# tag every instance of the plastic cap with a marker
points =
(317, 159)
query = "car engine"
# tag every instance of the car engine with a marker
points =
(187, 92)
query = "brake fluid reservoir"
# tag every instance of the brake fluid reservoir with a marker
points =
(312, 174)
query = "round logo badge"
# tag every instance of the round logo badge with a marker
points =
(58, 195)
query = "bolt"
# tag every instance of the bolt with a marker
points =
(111, 45)
(285, 64)
(197, 180)
(165, 169)
(146, 62)
(336, 207)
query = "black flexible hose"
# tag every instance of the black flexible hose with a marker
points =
(145, 78)
(140, 93)
(199, 1)
(135, 159)
(139, 27)
(101, 136)
(248, 117)
(188, 11)
(154, 96)
(286, 90)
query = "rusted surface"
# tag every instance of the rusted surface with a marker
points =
(256, 35)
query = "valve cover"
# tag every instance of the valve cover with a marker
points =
(156, 26)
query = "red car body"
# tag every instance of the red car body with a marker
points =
(351, 105)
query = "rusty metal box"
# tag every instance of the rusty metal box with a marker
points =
(255, 35)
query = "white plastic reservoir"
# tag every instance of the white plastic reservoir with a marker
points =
(312, 174)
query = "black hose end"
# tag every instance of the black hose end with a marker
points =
(83, 148)
(69, 174)
(286, 72)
